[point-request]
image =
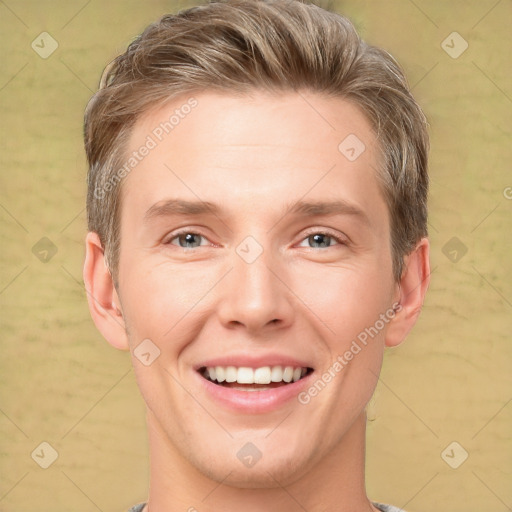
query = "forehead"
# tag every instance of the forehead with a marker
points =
(210, 119)
(263, 148)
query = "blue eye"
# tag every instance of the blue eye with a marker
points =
(321, 240)
(316, 240)
(187, 240)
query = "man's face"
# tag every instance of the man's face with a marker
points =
(256, 279)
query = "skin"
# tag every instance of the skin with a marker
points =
(255, 156)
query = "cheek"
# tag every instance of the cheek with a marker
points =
(162, 304)
(345, 300)
(158, 299)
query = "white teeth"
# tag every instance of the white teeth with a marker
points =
(245, 375)
(276, 375)
(220, 373)
(231, 374)
(262, 375)
(288, 374)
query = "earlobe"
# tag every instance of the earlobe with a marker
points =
(102, 297)
(413, 287)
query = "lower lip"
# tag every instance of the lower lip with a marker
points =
(254, 402)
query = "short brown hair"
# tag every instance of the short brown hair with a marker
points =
(243, 45)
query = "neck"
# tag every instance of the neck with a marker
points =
(336, 483)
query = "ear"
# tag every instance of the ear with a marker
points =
(102, 297)
(413, 287)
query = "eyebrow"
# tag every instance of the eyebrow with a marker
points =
(180, 207)
(318, 208)
(171, 207)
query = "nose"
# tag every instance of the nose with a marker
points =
(255, 295)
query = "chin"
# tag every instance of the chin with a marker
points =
(268, 472)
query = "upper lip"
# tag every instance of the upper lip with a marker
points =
(253, 361)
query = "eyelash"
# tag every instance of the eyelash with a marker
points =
(308, 234)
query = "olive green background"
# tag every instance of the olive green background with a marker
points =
(60, 382)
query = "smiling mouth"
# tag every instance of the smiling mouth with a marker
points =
(254, 379)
